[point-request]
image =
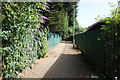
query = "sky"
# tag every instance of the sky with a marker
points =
(88, 10)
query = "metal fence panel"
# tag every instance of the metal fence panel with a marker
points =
(53, 39)
(91, 44)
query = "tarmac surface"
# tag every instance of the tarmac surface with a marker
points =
(62, 62)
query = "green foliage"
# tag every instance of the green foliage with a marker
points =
(78, 30)
(43, 48)
(64, 28)
(111, 33)
(61, 17)
(22, 35)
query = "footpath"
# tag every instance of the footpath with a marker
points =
(62, 61)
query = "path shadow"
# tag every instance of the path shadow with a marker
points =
(69, 66)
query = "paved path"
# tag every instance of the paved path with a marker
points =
(62, 62)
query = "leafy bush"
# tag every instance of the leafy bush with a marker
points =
(43, 48)
(23, 35)
(111, 33)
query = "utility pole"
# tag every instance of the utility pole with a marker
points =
(73, 26)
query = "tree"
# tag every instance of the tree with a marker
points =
(61, 17)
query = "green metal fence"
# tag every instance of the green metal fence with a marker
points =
(53, 39)
(91, 44)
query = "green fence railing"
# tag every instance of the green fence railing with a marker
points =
(53, 39)
(91, 44)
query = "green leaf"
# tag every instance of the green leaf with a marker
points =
(116, 33)
(98, 38)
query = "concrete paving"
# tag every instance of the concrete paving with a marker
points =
(62, 62)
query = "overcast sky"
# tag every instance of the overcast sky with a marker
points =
(88, 10)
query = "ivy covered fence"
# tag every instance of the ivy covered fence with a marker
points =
(26, 27)
(24, 39)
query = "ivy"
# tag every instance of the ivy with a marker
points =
(22, 35)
